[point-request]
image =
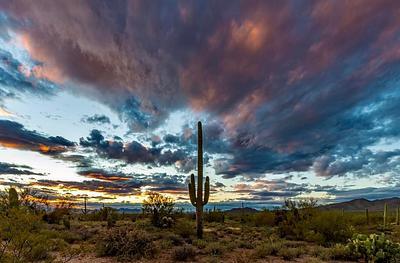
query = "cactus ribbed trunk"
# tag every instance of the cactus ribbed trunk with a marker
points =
(385, 214)
(85, 204)
(199, 207)
(197, 200)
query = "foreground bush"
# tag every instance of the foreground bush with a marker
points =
(160, 208)
(375, 248)
(20, 236)
(126, 244)
(328, 228)
(185, 228)
(304, 222)
(183, 253)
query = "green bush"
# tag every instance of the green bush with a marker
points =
(175, 239)
(268, 248)
(215, 249)
(325, 228)
(328, 228)
(264, 218)
(183, 253)
(374, 248)
(200, 243)
(159, 207)
(57, 215)
(214, 216)
(126, 244)
(340, 252)
(290, 253)
(66, 223)
(21, 237)
(184, 228)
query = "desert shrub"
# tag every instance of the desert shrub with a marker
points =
(23, 197)
(184, 228)
(175, 239)
(319, 252)
(21, 237)
(264, 218)
(158, 207)
(214, 216)
(374, 248)
(340, 252)
(165, 244)
(200, 243)
(60, 212)
(70, 236)
(215, 249)
(247, 244)
(66, 223)
(327, 228)
(111, 219)
(126, 244)
(242, 257)
(293, 221)
(183, 253)
(303, 222)
(290, 253)
(268, 248)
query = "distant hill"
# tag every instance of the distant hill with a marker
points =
(361, 204)
(246, 210)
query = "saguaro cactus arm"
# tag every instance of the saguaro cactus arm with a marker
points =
(192, 190)
(206, 190)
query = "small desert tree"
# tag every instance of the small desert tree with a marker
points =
(158, 206)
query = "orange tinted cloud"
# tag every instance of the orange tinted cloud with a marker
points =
(14, 135)
(48, 69)
(5, 113)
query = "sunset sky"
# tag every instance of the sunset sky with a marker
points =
(297, 98)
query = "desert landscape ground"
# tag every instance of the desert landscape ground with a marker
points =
(299, 232)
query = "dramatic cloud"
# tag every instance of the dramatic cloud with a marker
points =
(287, 81)
(120, 184)
(14, 135)
(97, 119)
(281, 86)
(135, 152)
(104, 175)
(264, 190)
(93, 185)
(8, 168)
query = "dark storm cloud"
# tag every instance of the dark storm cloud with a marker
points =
(269, 189)
(135, 152)
(119, 183)
(101, 174)
(290, 83)
(14, 135)
(92, 185)
(97, 119)
(8, 168)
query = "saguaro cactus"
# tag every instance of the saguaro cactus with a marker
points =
(385, 214)
(398, 216)
(198, 200)
(367, 215)
(13, 198)
(85, 205)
